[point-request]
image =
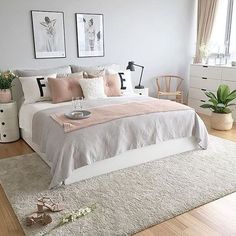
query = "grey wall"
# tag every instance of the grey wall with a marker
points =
(154, 33)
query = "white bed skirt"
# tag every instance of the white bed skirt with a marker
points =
(124, 160)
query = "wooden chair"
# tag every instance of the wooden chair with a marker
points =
(170, 85)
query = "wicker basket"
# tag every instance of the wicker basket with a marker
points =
(221, 121)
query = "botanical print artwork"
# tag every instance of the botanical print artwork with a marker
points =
(49, 35)
(90, 37)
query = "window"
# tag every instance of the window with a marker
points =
(217, 41)
(223, 37)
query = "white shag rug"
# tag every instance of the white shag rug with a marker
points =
(128, 200)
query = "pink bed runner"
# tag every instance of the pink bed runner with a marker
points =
(108, 113)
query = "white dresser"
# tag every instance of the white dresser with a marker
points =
(208, 78)
(9, 128)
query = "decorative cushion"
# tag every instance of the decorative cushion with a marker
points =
(70, 75)
(93, 88)
(112, 85)
(88, 69)
(125, 80)
(92, 69)
(94, 74)
(36, 88)
(64, 89)
(30, 73)
(126, 83)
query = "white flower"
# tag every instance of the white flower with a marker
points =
(64, 220)
(88, 210)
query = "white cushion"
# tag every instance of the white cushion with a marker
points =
(36, 88)
(93, 88)
(126, 82)
(125, 79)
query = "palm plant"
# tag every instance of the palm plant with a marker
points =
(220, 102)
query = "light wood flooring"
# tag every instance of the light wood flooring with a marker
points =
(213, 219)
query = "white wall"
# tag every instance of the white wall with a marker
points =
(154, 33)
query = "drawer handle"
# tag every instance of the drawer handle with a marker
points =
(3, 123)
(203, 101)
(204, 77)
(204, 90)
(4, 135)
(205, 66)
(1, 111)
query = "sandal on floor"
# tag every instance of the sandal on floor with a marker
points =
(42, 219)
(46, 202)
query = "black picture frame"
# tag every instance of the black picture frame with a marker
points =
(46, 49)
(85, 52)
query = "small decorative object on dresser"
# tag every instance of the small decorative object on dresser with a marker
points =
(143, 91)
(6, 79)
(9, 129)
(221, 117)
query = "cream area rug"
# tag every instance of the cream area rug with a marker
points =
(129, 200)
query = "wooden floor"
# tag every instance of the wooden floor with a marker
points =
(213, 219)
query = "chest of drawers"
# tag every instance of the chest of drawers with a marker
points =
(9, 129)
(208, 78)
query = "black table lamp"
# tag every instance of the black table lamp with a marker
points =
(131, 67)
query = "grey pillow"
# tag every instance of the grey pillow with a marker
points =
(88, 69)
(92, 69)
(58, 70)
(70, 75)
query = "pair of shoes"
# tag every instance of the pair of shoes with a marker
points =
(46, 202)
(40, 216)
(42, 219)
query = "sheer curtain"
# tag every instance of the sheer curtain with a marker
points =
(205, 20)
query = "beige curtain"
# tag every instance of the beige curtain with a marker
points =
(205, 20)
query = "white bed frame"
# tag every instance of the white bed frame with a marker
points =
(127, 159)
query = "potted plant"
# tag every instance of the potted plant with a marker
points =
(6, 79)
(219, 104)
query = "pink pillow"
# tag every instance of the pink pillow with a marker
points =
(64, 89)
(112, 85)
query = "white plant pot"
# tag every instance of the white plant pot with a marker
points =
(221, 121)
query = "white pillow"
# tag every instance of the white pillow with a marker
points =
(93, 88)
(126, 82)
(36, 88)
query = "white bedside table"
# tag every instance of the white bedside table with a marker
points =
(143, 91)
(9, 128)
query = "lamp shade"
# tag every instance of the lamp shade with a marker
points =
(130, 66)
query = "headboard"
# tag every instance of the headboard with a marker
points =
(17, 92)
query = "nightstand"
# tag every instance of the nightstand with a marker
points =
(143, 91)
(9, 128)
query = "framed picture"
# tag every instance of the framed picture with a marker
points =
(48, 34)
(90, 35)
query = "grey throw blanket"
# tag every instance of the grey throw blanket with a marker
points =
(69, 151)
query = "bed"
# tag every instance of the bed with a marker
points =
(108, 146)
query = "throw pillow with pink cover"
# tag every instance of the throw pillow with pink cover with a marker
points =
(112, 85)
(64, 89)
